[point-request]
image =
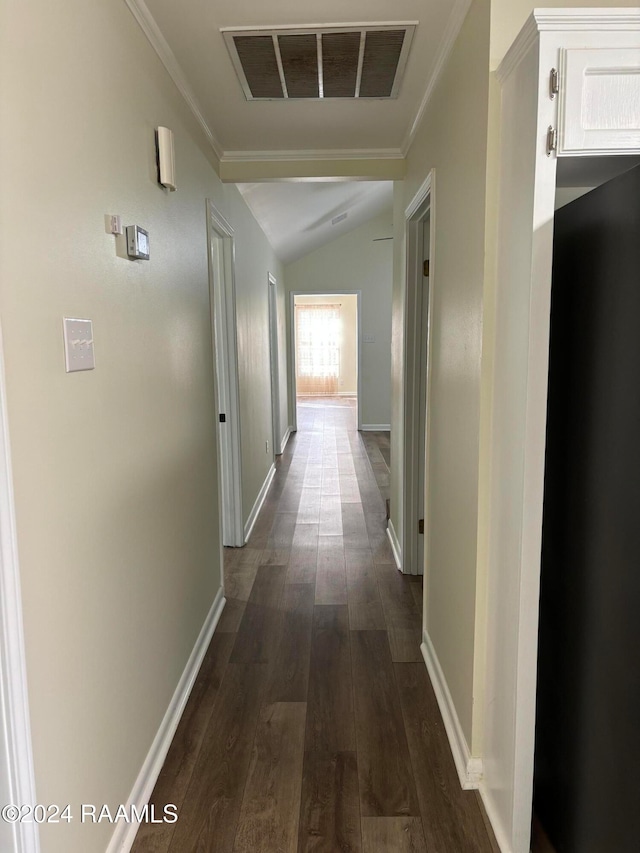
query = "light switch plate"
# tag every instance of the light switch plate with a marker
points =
(78, 345)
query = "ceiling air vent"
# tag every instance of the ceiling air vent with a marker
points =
(350, 61)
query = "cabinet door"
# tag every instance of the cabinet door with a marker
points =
(599, 102)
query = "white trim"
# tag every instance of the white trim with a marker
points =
(285, 439)
(274, 368)
(452, 30)
(422, 204)
(158, 42)
(125, 833)
(14, 700)
(469, 768)
(312, 155)
(371, 25)
(603, 19)
(494, 819)
(395, 544)
(420, 197)
(225, 355)
(375, 427)
(262, 494)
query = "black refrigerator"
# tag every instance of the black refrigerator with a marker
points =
(587, 766)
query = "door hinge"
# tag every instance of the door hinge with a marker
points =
(223, 418)
(552, 140)
(421, 526)
(425, 269)
(554, 83)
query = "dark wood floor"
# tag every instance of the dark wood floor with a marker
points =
(313, 725)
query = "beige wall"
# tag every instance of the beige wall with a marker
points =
(115, 474)
(452, 140)
(355, 262)
(348, 378)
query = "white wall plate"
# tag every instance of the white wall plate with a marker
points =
(78, 345)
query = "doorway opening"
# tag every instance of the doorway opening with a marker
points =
(409, 543)
(587, 700)
(225, 351)
(325, 350)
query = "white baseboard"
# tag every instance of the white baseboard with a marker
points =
(285, 439)
(496, 824)
(395, 544)
(253, 515)
(469, 768)
(125, 833)
(375, 428)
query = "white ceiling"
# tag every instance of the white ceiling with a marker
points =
(187, 36)
(296, 216)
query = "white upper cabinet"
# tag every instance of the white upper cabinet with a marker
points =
(599, 101)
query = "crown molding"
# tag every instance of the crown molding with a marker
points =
(307, 154)
(562, 20)
(145, 19)
(587, 19)
(452, 30)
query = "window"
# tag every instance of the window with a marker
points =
(317, 349)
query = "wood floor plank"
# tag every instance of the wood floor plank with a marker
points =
(239, 583)
(176, 773)
(354, 528)
(387, 787)
(309, 507)
(365, 606)
(451, 817)
(330, 516)
(271, 804)
(304, 554)
(289, 678)
(403, 619)
(258, 634)
(282, 530)
(393, 835)
(231, 617)
(416, 591)
(330, 481)
(331, 576)
(211, 807)
(330, 712)
(330, 809)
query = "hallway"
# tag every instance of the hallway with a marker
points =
(312, 724)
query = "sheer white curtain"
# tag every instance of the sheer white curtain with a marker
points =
(317, 349)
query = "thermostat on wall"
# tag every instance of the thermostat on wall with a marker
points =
(137, 242)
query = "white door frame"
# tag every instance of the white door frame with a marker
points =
(292, 340)
(421, 208)
(275, 369)
(225, 353)
(17, 778)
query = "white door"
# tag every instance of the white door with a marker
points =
(223, 321)
(275, 370)
(422, 412)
